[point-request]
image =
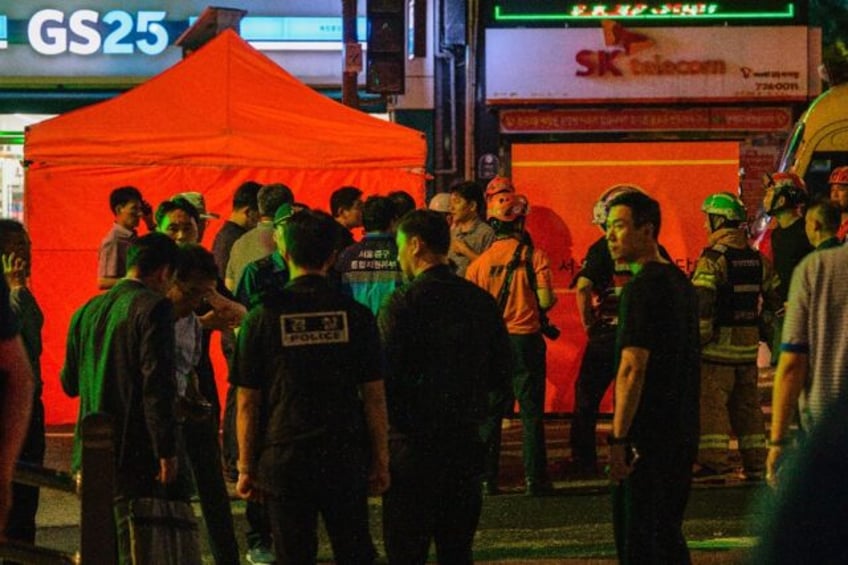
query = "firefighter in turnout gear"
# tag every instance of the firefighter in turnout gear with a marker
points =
(730, 279)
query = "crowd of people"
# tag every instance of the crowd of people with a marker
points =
(384, 366)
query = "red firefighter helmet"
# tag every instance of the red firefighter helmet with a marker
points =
(839, 175)
(507, 207)
(787, 185)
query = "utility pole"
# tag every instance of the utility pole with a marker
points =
(352, 55)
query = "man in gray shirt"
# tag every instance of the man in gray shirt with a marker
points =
(258, 242)
(470, 235)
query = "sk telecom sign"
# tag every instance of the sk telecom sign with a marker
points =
(615, 63)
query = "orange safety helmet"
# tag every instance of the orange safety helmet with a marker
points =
(507, 207)
(839, 175)
(498, 185)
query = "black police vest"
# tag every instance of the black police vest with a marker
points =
(737, 299)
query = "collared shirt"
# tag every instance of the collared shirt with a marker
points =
(253, 245)
(815, 323)
(829, 243)
(262, 278)
(112, 257)
(120, 360)
(479, 238)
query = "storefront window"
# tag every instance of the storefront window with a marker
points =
(12, 187)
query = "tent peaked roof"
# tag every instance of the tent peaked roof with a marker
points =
(225, 105)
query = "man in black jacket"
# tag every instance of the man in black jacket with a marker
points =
(446, 349)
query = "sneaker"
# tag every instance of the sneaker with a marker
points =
(261, 554)
(707, 476)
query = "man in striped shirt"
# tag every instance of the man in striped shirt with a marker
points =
(813, 368)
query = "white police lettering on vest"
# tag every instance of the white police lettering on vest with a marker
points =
(314, 328)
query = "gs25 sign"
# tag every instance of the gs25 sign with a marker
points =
(84, 32)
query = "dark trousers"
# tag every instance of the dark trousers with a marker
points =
(648, 508)
(258, 525)
(21, 524)
(204, 456)
(309, 480)
(435, 496)
(528, 385)
(597, 371)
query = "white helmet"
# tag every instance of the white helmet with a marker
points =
(599, 212)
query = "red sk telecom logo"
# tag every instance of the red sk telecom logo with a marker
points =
(615, 35)
(602, 61)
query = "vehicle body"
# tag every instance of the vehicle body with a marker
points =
(819, 141)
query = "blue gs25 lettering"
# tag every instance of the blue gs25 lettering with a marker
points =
(84, 32)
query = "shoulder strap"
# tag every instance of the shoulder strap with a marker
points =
(503, 295)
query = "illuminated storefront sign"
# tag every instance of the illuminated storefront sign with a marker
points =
(107, 42)
(718, 118)
(148, 32)
(616, 63)
(535, 11)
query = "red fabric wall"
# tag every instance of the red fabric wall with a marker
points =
(563, 182)
(68, 215)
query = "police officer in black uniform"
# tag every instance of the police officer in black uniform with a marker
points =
(311, 404)
(447, 350)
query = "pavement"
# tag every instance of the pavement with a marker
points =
(572, 526)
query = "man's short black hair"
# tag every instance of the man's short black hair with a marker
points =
(122, 195)
(428, 226)
(827, 213)
(246, 196)
(471, 192)
(272, 196)
(343, 199)
(151, 252)
(645, 210)
(403, 203)
(178, 203)
(8, 229)
(195, 263)
(310, 238)
(377, 213)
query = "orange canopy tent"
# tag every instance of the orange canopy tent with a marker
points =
(224, 115)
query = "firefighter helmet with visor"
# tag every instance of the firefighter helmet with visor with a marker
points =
(839, 175)
(726, 205)
(788, 186)
(507, 207)
(601, 209)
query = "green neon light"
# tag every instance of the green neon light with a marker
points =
(789, 13)
(12, 137)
